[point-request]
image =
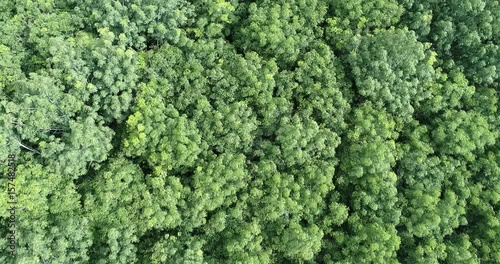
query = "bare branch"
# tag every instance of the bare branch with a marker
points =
(26, 147)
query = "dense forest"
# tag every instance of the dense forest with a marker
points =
(264, 131)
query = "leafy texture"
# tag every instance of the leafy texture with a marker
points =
(225, 131)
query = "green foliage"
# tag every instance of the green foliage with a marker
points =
(299, 131)
(462, 134)
(392, 69)
(368, 185)
(138, 23)
(317, 86)
(449, 91)
(279, 29)
(465, 34)
(159, 134)
(118, 211)
(360, 15)
(62, 232)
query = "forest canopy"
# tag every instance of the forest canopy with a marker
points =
(227, 131)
